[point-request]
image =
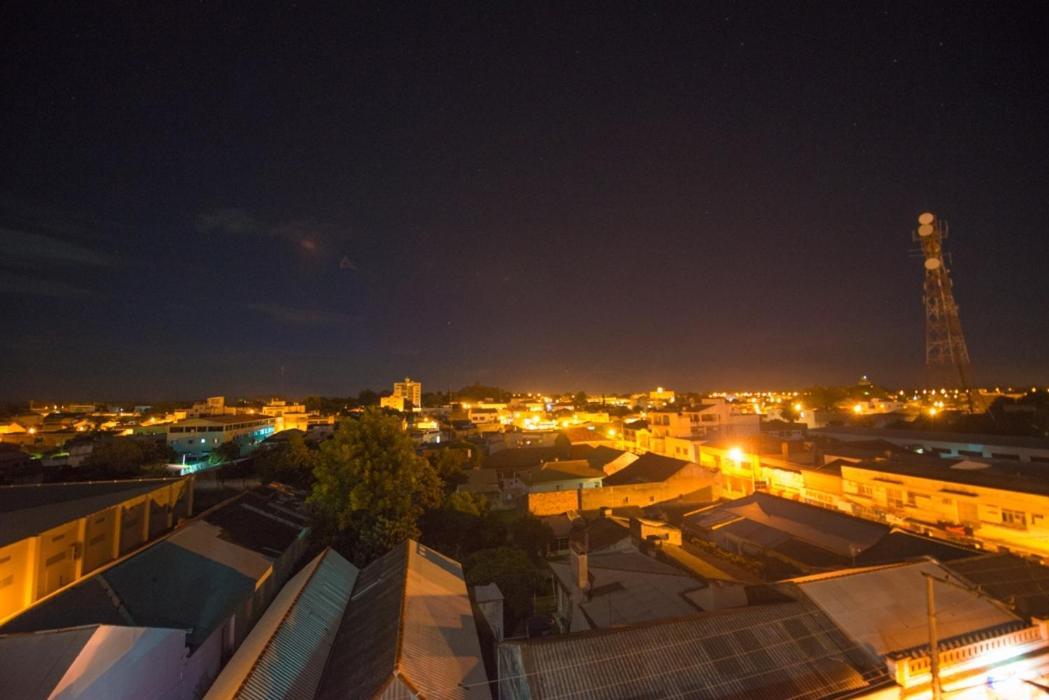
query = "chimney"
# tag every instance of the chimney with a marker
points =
(580, 568)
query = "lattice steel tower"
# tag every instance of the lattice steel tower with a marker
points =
(946, 355)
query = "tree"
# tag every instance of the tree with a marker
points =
(125, 458)
(449, 466)
(289, 463)
(531, 535)
(226, 452)
(371, 487)
(462, 526)
(510, 569)
(580, 400)
(367, 397)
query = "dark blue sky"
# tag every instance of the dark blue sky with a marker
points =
(604, 197)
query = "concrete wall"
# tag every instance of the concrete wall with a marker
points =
(556, 502)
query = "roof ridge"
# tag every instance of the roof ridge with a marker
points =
(291, 607)
(407, 544)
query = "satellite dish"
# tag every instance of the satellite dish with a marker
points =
(932, 263)
(926, 218)
(925, 230)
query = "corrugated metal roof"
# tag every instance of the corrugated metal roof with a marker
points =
(629, 587)
(1020, 583)
(830, 530)
(885, 607)
(285, 654)
(786, 650)
(408, 628)
(193, 579)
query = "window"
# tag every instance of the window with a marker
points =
(865, 490)
(1014, 518)
(912, 499)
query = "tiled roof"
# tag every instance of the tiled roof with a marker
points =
(524, 457)
(648, 468)
(785, 650)
(569, 469)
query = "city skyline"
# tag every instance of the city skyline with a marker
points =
(199, 203)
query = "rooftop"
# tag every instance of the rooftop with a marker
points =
(785, 650)
(224, 553)
(884, 607)
(1009, 476)
(628, 587)
(919, 436)
(1019, 583)
(648, 468)
(408, 629)
(772, 521)
(285, 653)
(565, 470)
(525, 457)
(25, 675)
(29, 510)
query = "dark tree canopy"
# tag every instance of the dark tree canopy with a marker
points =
(371, 487)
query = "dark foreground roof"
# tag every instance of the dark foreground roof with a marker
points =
(646, 469)
(770, 521)
(771, 651)
(525, 457)
(408, 631)
(899, 546)
(1017, 582)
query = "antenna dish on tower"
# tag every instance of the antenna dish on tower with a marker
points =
(925, 230)
(932, 263)
(926, 218)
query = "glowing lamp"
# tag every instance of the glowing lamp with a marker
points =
(735, 454)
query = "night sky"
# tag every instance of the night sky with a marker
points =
(604, 197)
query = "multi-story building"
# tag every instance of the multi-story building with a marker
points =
(287, 416)
(409, 392)
(209, 582)
(976, 502)
(201, 435)
(949, 445)
(52, 535)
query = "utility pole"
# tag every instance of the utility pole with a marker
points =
(934, 642)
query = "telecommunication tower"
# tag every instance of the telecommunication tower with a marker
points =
(946, 355)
